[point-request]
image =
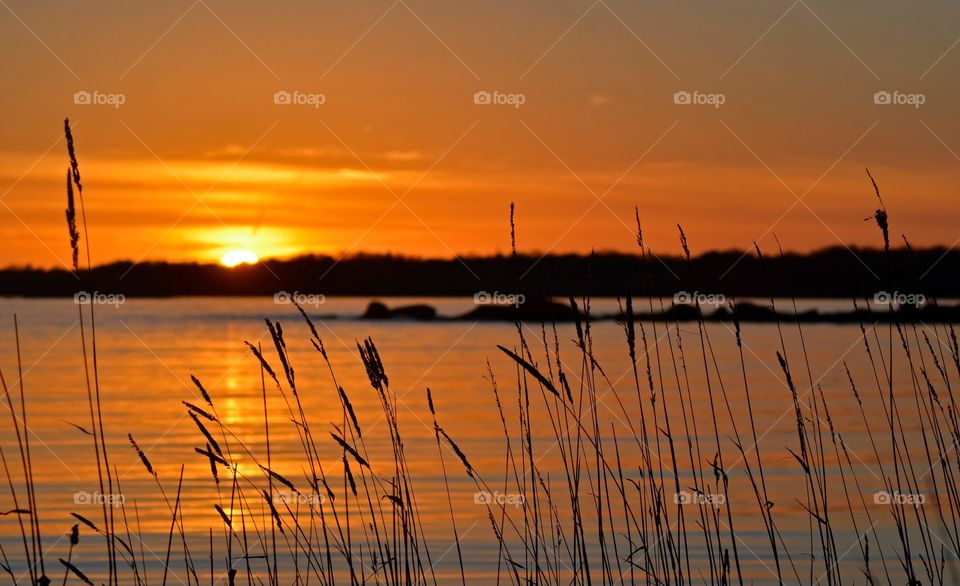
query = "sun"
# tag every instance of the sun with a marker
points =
(236, 257)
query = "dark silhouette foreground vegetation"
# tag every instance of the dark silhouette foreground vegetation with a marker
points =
(642, 492)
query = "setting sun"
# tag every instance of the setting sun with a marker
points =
(238, 257)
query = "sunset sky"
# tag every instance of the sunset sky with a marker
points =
(198, 159)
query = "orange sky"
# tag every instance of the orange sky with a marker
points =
(199, 159)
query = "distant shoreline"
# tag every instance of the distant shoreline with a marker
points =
(542, 310)
(833, 273)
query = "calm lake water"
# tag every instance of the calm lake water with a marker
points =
(147, 350)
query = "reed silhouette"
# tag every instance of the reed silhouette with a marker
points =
(622, 511)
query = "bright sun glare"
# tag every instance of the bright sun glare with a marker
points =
(238, 257)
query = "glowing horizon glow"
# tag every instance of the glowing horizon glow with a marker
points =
(238, 257)
(296, 188)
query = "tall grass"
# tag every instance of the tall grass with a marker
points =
(649, 482)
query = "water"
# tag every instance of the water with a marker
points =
(147, 350)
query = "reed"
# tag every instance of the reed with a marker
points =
(92, 379)
(662, 476)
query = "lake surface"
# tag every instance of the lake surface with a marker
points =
(147, 350)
